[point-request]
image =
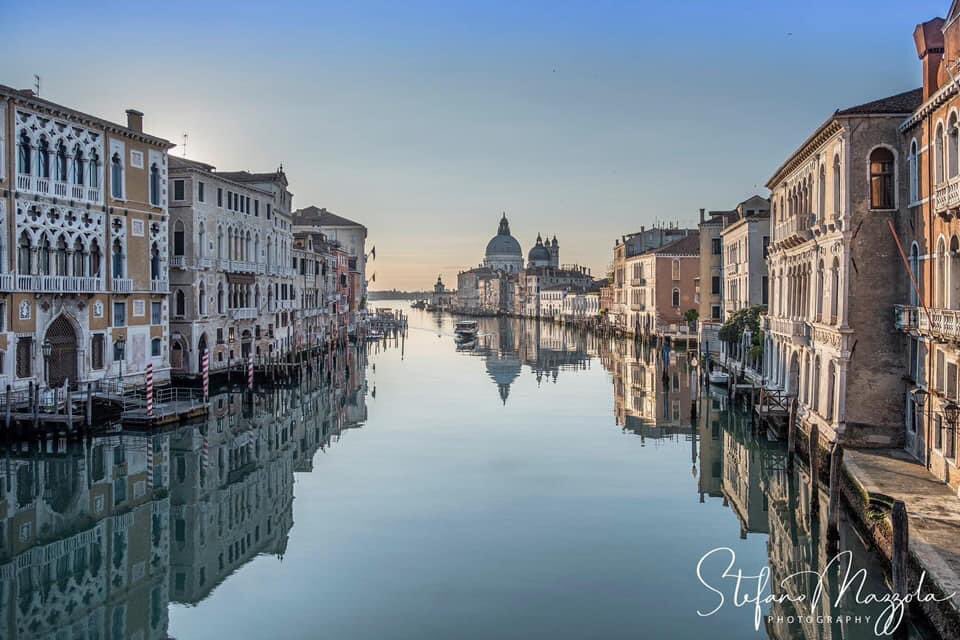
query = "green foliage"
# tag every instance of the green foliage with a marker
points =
(691, 315)
(747, 319)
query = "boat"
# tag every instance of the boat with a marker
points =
(419, 304)
(468, 344)
(374, 335)
(720, 378)
(465, 330)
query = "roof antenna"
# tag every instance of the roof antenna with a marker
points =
(184, 144)
(36, 84)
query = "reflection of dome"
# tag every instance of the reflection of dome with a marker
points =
(503, 250)
(503, 370)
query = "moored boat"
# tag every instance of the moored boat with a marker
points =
(719, 378)
(465, 330)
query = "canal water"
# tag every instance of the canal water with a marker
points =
(543, 484)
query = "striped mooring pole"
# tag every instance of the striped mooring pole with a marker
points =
(250, 372)
(205, 366)
(150, 390)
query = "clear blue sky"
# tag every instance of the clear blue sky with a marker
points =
(424, 120)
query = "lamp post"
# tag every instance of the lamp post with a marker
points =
(121, 346)
(47, 349)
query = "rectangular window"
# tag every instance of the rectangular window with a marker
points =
(938, 431)
(156, 313)
(715, 246)
(24, 357)
(256, 208)
(156, 347)
(268, 211)
(715, 312)
(247, 206)
(219, 197)
(951, 390)
(765, 290)
(178, 190)
(941, 371)
(96, 351)
(219, 336)
(914, 357)
(119, 314)
(715, 285)
(766, 246)
(200, 193)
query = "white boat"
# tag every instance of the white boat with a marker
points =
(718, 377)
(465, 330)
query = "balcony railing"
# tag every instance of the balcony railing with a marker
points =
(48, 187)
(243, 313)
(941, 323)
(204, 263)
(160, 286)
(946, 195)
(796, 229)
(789, 327)
(52, 284)
(123, 285)
(7, 282)
(178, 262)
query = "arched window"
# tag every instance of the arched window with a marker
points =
(61, 261)
(178, 238)
(155, 185)
(43, 158)
(952, 146)
(229, 243)
(248, 248)
(117, 259)
(256, 296)
(676, 297)
(822, 193)
(940, 277)
(820, 292)
(202, 239)
(61, 163)
(256, 249)
(219, 242)
(831, 390)
(116, 176)
(220, 298)
(156, 348)
(835, 291)
(938, 165)
(881, 179)
(78, 177)
(24, 254)
(79, 258)
(23, 154)
(44, 257)
(914, 162)
(915, 269)
(95, 259)
(202, 299)
(836, 187)
(155, 262)
(180, 303)
(954, 274)
(94, 171)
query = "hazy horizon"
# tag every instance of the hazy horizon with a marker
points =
(425, 121)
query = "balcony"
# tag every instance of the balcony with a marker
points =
(159, 286)
(122, 285)
(178, 262)
(946, 196)
(795, 329)
(53, 284)
(238, 266)
(938, 323)
(204, 263)
(7, 282)
(795, 230)
(638, 282)
(57, 189)
(243, 313)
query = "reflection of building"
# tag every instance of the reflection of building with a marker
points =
(742, 475)
(652, 389)
(85, 541)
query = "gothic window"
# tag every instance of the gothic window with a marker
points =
(79, 258)
(220, 298)
(178, 238)
(78, 166)
(953, 147)
(94, 170)
(676, 297)
(822, 192)
(914, 162)
(219, 242)
(836, 186)
(24, 255)
(915, 270)
(820, 291)
(61, 162)
(23, 154)
(116, 176)
(117, 259)
(938, 167)
(44, 257)
(155, 185)
(181, 303)
(43, 158)
(96, 351)
(202, 237)
(835, 291)
(95, 259)
(61, 256)
(881, 178)
(24, 357)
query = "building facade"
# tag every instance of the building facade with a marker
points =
(84, 213)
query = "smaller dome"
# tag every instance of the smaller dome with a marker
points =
(539, 253)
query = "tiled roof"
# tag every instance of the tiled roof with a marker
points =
(904, 102)
(688, 245)
(322, 217)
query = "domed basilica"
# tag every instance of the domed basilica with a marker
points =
(504, 252)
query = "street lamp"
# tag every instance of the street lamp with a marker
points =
(47, 349)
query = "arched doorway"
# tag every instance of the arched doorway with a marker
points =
(176, 355)
(793, 381)
(62, 364)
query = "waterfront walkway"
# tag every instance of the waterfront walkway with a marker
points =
(933, 509)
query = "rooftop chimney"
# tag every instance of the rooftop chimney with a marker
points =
(702, 211)
(928, 38)
(135, 120)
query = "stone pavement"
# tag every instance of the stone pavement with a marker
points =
(933, 509)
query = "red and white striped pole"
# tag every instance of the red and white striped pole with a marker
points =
(250, 372)
(150, 390)
(150, 463)
(205, 370)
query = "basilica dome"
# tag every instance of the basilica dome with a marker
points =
(503, 251)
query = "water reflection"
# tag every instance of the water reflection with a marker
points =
(99, 538)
